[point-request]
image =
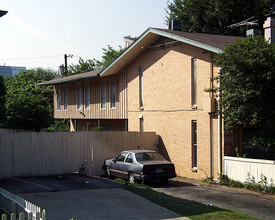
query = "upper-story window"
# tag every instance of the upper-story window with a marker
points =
(194, 81)
(87, 95)
(58, 93)
(103, 94)
(113, 93)
(65, 97)
(141, 88)
(78, 96)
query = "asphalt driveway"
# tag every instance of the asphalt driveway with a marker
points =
(81, 197)
(254, 204)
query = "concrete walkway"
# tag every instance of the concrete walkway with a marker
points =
(254, 204)
(82, 198)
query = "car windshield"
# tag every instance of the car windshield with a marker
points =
(148, 156)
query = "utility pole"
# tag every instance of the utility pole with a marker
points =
(66, 65)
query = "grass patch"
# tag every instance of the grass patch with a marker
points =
(190, 209)
(250, 184)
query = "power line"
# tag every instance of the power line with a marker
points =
(31, 58)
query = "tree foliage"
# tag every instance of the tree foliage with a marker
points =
(60, 125)
(2, 100)
(109, 55)
(82, 66)
(247, 85)
(213, 16)
(27, 107)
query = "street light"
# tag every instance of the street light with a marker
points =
(2, 13)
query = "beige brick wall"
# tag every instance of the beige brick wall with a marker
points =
(167, 104)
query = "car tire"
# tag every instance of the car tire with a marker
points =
(108, 173)
(131, 178)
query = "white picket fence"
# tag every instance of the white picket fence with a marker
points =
(17, 206)
(239, 168)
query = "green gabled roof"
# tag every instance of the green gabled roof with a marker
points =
(212, 43)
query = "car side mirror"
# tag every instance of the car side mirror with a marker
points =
(114, 159)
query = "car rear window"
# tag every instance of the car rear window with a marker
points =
(148, 156)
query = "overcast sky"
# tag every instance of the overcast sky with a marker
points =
(37, 33)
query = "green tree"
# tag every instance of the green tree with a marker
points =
(247, 85)
(213, 16)
(109, 55)
(82, 66)
(27, 107)
(60, 125)
(2, 100)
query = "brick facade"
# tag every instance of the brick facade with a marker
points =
(167, 104)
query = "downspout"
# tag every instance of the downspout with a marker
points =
(211, 147)
(211, 121)
(219, 130)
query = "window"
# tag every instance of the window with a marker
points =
(58, 93)
(194, 81)
(141, 125)
(141, 87)
(113, 93)
(194, 144)
(121, 157)
(78, 96)
(129, 159)
(103, 94)
(87, 95)
(65, 97)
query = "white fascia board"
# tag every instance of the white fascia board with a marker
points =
(187, 41)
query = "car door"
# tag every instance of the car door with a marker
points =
(127, 166)
(117, 168)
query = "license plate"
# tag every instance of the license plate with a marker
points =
(159, 170)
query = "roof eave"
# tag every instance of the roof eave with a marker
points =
(49, 83)
(187, 41)
(108, 70)
(133, 45)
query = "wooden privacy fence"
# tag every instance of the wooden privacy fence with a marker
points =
(46, 153)
(19, 208)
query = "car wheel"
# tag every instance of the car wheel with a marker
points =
(108, 173)
(131, 178)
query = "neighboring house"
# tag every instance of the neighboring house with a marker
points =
(156, 84)
(11, 70)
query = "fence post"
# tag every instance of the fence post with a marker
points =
(37, 216)
(13, 216)
(44, 214)
(22, 216)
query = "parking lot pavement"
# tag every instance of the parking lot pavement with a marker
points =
(55, 183)
(254, 204)
(83, 197)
